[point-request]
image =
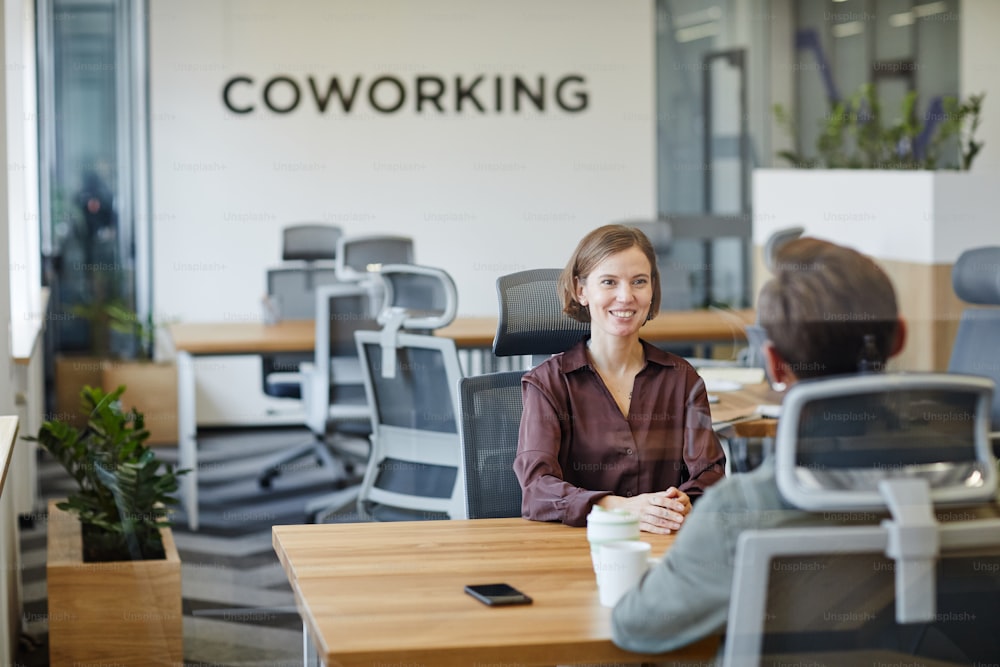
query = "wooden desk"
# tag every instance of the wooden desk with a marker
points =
(299, 335)
(240, 338)
(392, 593)
(674, 326)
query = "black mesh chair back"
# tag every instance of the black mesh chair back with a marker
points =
(976, 351)
(359, 256)
(531, 320)
(293, 289)
(310, 242)
(491, 415)
(426, 296)
(309, 250)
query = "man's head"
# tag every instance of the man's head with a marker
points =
(822, 302)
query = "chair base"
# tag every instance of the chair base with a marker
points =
(343, 463)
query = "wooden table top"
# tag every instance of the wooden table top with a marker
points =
(299, 335)
(392, 593)
(742, 403)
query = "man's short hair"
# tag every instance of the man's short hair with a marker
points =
(822, 302)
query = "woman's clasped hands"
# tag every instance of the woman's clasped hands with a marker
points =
(660, 512)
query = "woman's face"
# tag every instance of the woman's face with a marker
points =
(618, 293)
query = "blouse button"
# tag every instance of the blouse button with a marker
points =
(629, 451)
(628, 494)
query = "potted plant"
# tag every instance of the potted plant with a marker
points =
(121, 354)
(897, 187)
(113, 571)
(152, 384)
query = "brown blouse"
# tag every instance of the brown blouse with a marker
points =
(575, 446)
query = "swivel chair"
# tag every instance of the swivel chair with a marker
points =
(410, 379)
(307, 251)
(361, 258)
(530, 322)
(331, 385)
(905, 536)
(976, 279)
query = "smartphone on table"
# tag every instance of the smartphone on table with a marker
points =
(497, 594)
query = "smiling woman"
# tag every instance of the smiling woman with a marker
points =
(614, 421)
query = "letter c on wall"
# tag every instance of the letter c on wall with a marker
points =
(228, 87)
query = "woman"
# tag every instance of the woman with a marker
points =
(614, 421)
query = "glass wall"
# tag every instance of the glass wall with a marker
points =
(92, 147)
(896, 45)
(710, 67)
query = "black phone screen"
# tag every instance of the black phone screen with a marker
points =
(497, 594)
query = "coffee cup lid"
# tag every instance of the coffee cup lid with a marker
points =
(600, 515)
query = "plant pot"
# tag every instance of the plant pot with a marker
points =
(121, 613)
(152, 390)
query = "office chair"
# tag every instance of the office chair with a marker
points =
(410, 379)
(490, 406)
(846, 588)
(308, 251)
(331, 385)
(975, 278)
(530, 322)
(777, 239)
(361, 258)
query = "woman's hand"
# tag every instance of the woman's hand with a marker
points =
(662, 512)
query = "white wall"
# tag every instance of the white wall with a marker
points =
(482, 193)
(979, 71)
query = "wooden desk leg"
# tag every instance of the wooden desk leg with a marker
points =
(187, 433)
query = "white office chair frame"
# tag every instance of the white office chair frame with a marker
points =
(913, 537)
(389, 441)
(757, 548)
(316, 376)
(819, 499)
(394, 318)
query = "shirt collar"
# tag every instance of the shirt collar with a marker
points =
(576, 358)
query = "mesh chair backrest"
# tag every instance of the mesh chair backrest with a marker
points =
(428, 295)
(531, 319)
(840, 437)
(349, 312)
(310, 242)
(491, 415)
(976, 276)
(359, 255)
(976, 350)
(295, 289)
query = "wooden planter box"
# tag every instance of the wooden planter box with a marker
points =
(151, 389)
(120, 613)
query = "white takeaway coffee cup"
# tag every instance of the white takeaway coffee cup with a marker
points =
(609, 526)
(621, 566)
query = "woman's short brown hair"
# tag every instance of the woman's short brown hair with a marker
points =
(593, 249)
(821, 303)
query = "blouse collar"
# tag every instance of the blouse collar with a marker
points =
(576, 358)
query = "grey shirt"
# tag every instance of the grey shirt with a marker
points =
(686, 596)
